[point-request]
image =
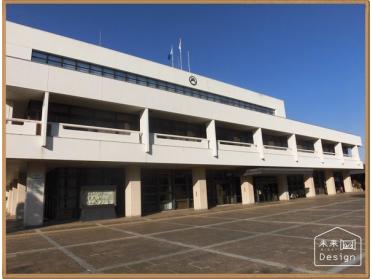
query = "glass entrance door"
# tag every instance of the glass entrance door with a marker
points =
(265, 189)
(223, 188)
(166, 190)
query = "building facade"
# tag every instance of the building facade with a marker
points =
(94, 133)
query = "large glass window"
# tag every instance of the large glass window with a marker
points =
(234, 135)
(328, 148)
(180, 128)
(305, 144)
(296, 186)
(346, 150)
(275, 140)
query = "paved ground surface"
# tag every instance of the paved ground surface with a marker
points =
(265, 238)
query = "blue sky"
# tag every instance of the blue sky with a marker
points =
(311, 56)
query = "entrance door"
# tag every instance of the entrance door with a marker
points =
(166, 190)
(265, 189)
(319, 183)
(223, 188)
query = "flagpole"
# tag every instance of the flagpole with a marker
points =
(188, 60)
(172, 57)
(180, 49)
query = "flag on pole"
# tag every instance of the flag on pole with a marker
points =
(188, 60)
(180, 50)
(170, 55)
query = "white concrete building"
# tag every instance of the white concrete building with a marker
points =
(91, 132)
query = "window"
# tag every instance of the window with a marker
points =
(39, 57)
(346, 150)
(119, 75)
(96, 70)
(55, 60)
(328, 147)
(305, 144)
(108, 73)
(141, 80)
(277, 140)
(69, 63)
(82, 67)
(131, 78)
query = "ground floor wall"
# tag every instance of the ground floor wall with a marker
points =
(42, 192)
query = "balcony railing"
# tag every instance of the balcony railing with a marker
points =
(274, 147)
(329, 153)
(65, 130)
(23, 126)
(305, 150)
(184, 141)
(235, 146)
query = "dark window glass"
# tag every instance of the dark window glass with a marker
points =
(82, 67)
(96, 70)
(39, 57)
(328, 147)
(305, 144)
(131, 78)
(171, 87)
(346, 150)
(162, 85)
(273, 140)
(141, 80)
(119, 75)
(108, 73)
(152, 83)
(69, 63)
(54, 60)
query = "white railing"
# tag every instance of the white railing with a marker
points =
(236, 146)
(329, 153)
(65, 130)
(20, 126)
(236, 143)
(305, 150)
(184, 141)
(283, 148)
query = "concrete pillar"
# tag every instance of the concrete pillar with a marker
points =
(34, 202)
(292, 144)
(355, 152)
(7, 193)
(9, 109)
(14, 201)
(283, 188)
(44, 118)
(199, 188)
(318, 148)
(309, 186)
(21, 198)
(145, 130)
(211, 136)
(133, 206)
(330, 182)
(258, 142)
(10, 200)
(347, 181)
(247, 189)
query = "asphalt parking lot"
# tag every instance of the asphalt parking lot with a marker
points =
(265, 238)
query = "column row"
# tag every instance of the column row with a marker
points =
(31, 198)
